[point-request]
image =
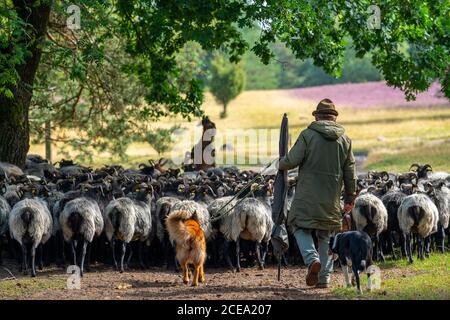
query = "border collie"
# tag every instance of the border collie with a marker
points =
(354, 249)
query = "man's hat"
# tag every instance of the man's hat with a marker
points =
(326, 106)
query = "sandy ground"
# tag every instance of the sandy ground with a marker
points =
(156, 283)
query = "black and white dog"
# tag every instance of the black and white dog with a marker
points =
(354, 249)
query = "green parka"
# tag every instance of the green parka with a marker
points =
(326, 163)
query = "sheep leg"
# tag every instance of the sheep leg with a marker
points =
(33, 260)
(24, 259)
(226, 249)
(346, 275)
(238, 253)
(265, 248)
(40, 255)
(113, 249)
(402, 244)
(258, 255)
(74, 252)
(140, 253)
(88, 257)
(408, 247)
(380, 247)
(129, 256)
(122, 255)
(84, 244)
(167, 252)
(441, 237)
(427, 241)
(391, 245)
(419, 247)
(60, 252)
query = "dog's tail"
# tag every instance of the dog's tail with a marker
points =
(363, 264)
(176, 227)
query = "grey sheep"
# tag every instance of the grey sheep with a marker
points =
(10, 170)
(203, 217)
(5, 209)
(127, 220)
(251, 220)
(370, 215)
(163, 207)
(222, 226)
(12, 194)
(392, 201)
(30, 223)
(417, 215)
(81, 220)
(440, 195)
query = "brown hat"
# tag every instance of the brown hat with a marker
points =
(326, 106)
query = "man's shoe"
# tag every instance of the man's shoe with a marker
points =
(312, 278)
(322, 285)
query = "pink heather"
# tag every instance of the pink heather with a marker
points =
(371, 95)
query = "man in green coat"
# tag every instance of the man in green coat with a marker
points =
(323, 154)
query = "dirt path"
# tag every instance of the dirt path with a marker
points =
(104, 283)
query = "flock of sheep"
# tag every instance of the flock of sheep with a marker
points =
(71, 214)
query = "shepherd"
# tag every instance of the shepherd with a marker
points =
(324, 157)
(203, 153)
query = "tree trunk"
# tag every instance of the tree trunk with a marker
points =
(48, 141)
(14, 127)
(223, 115)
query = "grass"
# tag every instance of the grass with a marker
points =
(393, 138)
(423, 280)
(25, 287)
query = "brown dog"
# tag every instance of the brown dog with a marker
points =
(190, 243)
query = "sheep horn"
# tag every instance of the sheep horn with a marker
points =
(385, 176)
(212, 191)
(428, 168)
(429, 188)
(414, 165)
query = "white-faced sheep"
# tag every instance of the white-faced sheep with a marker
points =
(4, 215)
(81, 221)
(127, 220)
(30, 223)
(370, 215)
(417, 215)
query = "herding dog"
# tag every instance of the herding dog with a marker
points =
(190, 243)
(354, 249)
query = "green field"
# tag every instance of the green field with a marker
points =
(423, 280)
(392, 138)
